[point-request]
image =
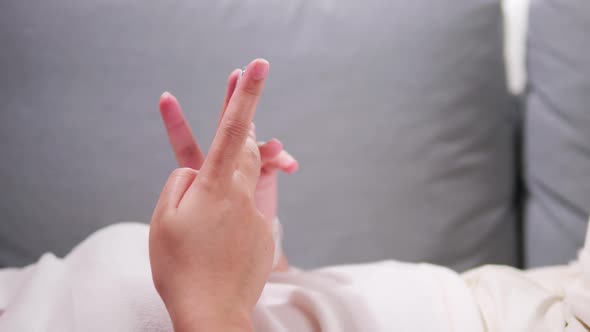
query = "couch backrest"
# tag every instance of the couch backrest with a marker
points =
(397, 111)
(557, 131)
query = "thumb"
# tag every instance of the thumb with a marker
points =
(174, 189)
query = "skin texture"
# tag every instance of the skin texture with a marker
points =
(210, 246)
(188, 153)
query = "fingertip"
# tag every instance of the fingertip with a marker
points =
(259, 69)
(289, 164)
(275, 144)
(167, 101)
(271, 149)
(261, 61)
(294, 167)
(235, 73)
(170, 110)
(166, 95)
(232, 80)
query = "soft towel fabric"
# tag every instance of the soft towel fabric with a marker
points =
(105, 284)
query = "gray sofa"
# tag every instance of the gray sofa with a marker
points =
(397, 111)
(556, 131)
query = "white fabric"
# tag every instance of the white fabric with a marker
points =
(104, 284)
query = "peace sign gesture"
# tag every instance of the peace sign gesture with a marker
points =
(210, 247)
(188, 153)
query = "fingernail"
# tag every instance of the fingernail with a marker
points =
(242, 71)
(165, 94)
(260, 69)
(294, 167)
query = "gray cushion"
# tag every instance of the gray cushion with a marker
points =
(557, 131)
(397, 111)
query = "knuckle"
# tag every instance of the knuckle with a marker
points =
(163, 227)
(183, 173)
(187, 152)
(235, 128)
(206, 185)
(251, 90)
(175, 125)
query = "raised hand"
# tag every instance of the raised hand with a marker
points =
(189, 154)
(210, 247)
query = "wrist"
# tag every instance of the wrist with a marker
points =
(191, 319)
(221, 324)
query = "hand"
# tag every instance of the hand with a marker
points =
(210, 248)
(188, 152)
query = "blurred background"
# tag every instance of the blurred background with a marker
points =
(423, 131)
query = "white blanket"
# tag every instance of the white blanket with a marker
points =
(105, 284)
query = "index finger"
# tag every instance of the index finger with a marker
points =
(235, 124)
